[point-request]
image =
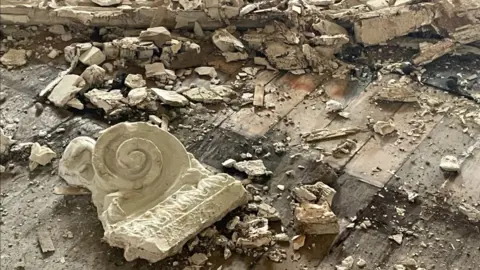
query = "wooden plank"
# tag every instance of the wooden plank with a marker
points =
(262, 79)
(285, 92)
(360, 109)
(45, 241)
(421, 172)
(258, 95)
(389, 153)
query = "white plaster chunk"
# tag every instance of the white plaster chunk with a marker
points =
(450, 163)
(107, 101)
(170, 97)
(247, 9)
(40, 155)
(94, 75)
(93, 56)
(76, 104)
(159, 35)
(384, 128)
(57, 29)
(257, 234)
(137, 96)
(316, 219)
(302, 195)
(66, 89)
(135, 81)
(252, 167)
(206, 71)
(198, 259)
(333, 106)
(268, 212)
(171, 196)
(226, 42)
(5, 142)
(107, 3)
(14, 58)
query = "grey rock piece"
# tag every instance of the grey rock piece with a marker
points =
(107, 3)
(252, 167)
(107, 101)
(226, 42)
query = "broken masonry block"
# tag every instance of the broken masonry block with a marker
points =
(152, 196)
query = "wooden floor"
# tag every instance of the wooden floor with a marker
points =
(372, 184)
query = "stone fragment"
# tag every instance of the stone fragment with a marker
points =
(66, 37)
(346, 264)
(202, 94)
(281, 187)
(107, 101)
(252, 167)
(450, 163)
(222, 90)
(227, 253)
(137, 96)
(399, 267)
(159, 35)
(14, 58)
(226, 42)
(198, 259)
(361, 263)
(229, 163)
(57, 29)
(326, 27)
(5, 142)
(151, 168)
(206, 71)
(298, 241)
(154, 69)
(321, 2)
(93, 56)
(316, 219)
(322, 191)
(333, 106)
(268, 212)
(377, 4)
(45, 241)
(397, 238)
(197, 29)
(107, 3)
(285, 56)
(170, 98)
(384, 128)
(234, 56)
(302, 195)
(472, 213)
(40, 155)
(396, 94)
(94, 76)
(76, 104)
(281, 237)
(111, 51)
(53, 54)
(66, 89)
(257, 234)
(135, 81)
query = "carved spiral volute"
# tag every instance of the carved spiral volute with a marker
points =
(132, 156)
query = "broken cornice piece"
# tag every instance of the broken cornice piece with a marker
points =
(151, 195)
